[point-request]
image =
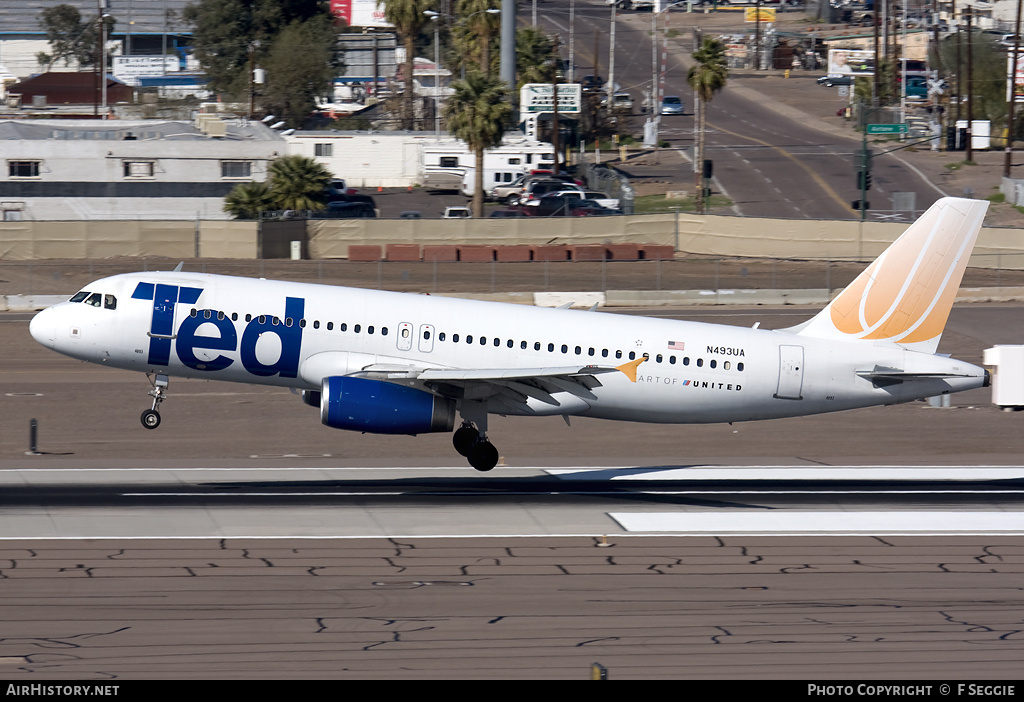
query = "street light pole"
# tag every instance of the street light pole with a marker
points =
(611, 61)
(435, 17)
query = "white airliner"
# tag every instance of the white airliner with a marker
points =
(399, 363)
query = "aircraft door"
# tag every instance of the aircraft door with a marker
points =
(404, 336)
(791, 373)
(426, 338)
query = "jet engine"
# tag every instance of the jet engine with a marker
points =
(361, 404)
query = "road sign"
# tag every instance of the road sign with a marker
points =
(887, 129)
(540, 97)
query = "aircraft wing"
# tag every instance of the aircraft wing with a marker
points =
(513, 387)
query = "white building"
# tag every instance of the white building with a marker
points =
(402, 159)
(121, 169)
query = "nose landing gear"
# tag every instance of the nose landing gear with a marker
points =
(151, 418)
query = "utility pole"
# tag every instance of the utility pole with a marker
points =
(970, 85)
(757, 36)
(611, 62)
(1011, 114)
(555, 126)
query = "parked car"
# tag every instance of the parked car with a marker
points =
(560, 206)
(504, 191)
(410, 214)
(457, 213)
(539, 188)
(592, 195)
(350, 210)
(917, 88)
(830, 81)
(591, 83)
(621, 102)
(587, 207)
(339, 197)
(507, 213)
(672, 105)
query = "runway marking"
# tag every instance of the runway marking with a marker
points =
(832, 523)
(793, 472)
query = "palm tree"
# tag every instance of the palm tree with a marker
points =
(707, 77)
(535, 56)
(478, 113)
(408, 18)
(479, 26)
(297, 183)
(247, 200)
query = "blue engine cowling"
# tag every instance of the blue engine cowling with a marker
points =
(360, 404)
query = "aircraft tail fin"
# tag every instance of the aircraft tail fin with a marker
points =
(905, 295)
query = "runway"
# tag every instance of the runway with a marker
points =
(429, 502)
(242, 540)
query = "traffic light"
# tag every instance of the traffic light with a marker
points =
(708, 168)
(863, 180)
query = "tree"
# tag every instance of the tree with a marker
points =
(477, 30)
(231, 36)
(408, 18)
(478, 113)
(300, 68)
(71, 40)
(535, 56)
(706, 77)
(297, 183)
(247, 200)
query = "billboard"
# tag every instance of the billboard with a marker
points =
(850, 62)
(359, 13)
(759, 14)
(540, 97)
(1015, 79)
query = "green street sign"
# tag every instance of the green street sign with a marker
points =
(887, 129)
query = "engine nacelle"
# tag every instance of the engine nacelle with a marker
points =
(361, 404)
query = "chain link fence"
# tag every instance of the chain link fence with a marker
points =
(700, 274)
(609, 181)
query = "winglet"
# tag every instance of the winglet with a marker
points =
(629, 369)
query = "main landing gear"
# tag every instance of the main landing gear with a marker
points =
(474, 445)
(151, 418)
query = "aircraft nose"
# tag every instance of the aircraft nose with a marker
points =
(43, 327)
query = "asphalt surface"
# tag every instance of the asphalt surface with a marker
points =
(257, 604)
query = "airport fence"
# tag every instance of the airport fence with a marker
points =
(707, 274)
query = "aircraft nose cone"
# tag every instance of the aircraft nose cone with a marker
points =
(43, 328)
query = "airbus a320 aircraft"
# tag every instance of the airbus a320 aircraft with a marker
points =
(399, 363)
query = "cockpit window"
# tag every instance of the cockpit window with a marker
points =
(95, 300)
(79, 296)
(109, 302)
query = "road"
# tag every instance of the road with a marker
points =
(768, 163)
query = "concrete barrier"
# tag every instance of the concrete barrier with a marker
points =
(579, 300)
(29, 303)
(688, 298)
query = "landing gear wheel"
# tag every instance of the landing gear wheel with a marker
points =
(483, 456)
(464, 438)
(150, 419)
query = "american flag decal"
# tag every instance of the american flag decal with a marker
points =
(676, 345)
